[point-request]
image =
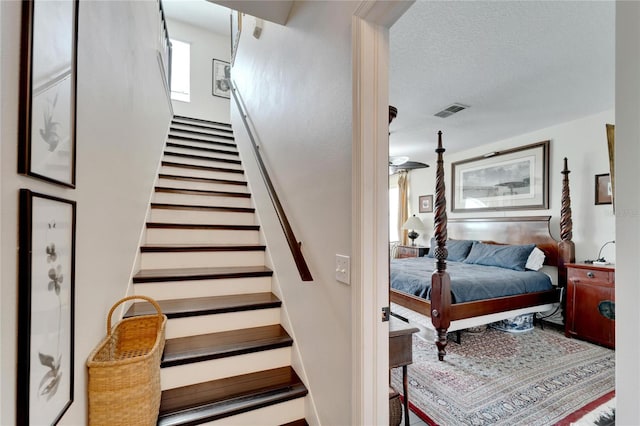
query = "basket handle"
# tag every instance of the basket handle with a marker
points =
(124, 299)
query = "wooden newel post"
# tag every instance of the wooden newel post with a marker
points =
(440, 283)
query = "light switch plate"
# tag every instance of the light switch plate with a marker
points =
(343, 268)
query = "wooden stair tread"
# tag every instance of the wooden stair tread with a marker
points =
(199, 167)
(299, 422)
(205, 347)
(176, 248)
(180, 308)
(199, 120)
(202, 179)
(229, 396)
(166, 206)
(159, 225)
(190, 274)
(202, 148)
(202, 192)
(201, 157)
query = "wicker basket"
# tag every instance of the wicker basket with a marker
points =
(124, 370)
(395, 408)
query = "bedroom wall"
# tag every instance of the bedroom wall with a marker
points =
(584, 143)
(296, 82)
(122, 118)
(205, 46)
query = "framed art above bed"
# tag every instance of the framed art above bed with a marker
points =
(515, 179)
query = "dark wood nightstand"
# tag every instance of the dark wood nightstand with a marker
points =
(412, 251)
(590, 311)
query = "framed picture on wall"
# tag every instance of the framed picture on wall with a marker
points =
(46, 288)
(425, 204)
(221, 78)
(604, 192)
(47, 114)
(514, 179)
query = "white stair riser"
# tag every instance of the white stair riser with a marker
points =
(201, 200)
(222, 146)
(202, 217)
(189, 374)
(201, 131)
(202, 236)
(204, 324)
(204, 288)
(202, 162)
(208, 174)
(205, 259)
(189, 149)
(271, 415)
(215, 139)
(206, 186)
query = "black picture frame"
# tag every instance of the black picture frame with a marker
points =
(48, 80)
(425, 204)
(46, 308)
(513, 179)
(221, 81)
(603, 189)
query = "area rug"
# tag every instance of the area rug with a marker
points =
(496, 378)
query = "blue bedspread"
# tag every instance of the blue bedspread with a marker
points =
(468, 281)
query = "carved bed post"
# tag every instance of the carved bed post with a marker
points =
(440, 284)
(566, 247)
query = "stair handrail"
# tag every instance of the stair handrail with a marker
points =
(165, 41)
(294, 245)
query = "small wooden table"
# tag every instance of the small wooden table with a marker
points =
(401, 354)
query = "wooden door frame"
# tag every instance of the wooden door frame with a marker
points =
(370, 220)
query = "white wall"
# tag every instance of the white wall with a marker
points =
(296, 82)
(122, 119)
(584, 143)
(205, 47)
(627, 212)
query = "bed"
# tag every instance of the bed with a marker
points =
(449, 311)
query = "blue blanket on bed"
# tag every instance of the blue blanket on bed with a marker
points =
(468, 281)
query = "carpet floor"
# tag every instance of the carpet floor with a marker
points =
(537, 378)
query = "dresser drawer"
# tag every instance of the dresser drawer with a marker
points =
(594, 275)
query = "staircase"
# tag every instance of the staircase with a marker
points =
(227, 359)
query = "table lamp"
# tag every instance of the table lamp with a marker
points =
(412, 224)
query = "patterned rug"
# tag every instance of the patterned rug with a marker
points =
(496, 378)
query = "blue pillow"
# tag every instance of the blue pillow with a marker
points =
(503, 256)
(458, 249)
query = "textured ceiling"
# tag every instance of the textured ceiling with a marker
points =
(519, 65)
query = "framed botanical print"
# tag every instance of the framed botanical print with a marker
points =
(46, 289)
(47, 116)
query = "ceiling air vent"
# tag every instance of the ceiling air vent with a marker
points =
(450, 110)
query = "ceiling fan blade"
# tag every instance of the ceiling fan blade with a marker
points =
(411, 165)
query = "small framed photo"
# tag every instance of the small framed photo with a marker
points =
(604, 193)
(46, 288)
(221, 78)
(47, 114)
(425, 204)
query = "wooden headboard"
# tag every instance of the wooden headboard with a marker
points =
(508, 230)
